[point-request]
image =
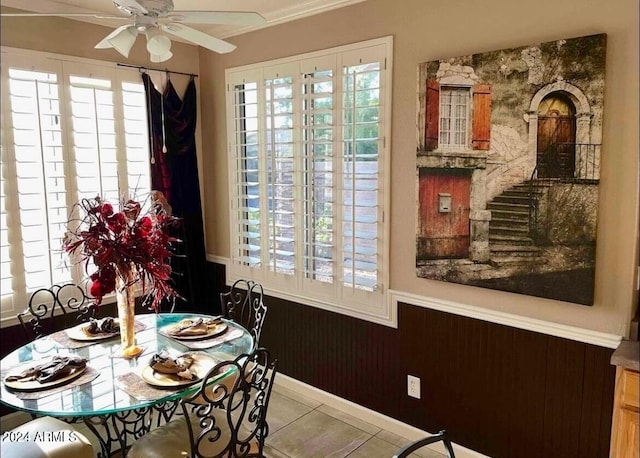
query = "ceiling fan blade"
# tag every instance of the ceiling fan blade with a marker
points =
(217, 17)
(97, 16)
(197, 37)
(130, 5)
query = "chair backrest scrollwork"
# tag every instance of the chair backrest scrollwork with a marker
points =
(244, 304)
(231, 420)
(49, 306)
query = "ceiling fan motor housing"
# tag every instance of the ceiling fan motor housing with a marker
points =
(153, 7)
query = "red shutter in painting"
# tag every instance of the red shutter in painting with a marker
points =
(481, 116)
(432, 115)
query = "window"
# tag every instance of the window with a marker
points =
(308, 155)
(457, 118)
(70, 129)
(454, 109)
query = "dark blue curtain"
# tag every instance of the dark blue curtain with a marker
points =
(174, 171)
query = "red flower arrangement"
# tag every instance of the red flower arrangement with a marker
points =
(125, 242)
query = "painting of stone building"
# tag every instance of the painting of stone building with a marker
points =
(508, 166)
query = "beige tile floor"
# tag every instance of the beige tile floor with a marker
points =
(300, 427)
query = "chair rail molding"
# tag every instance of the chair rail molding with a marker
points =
(218, 260)
(394, 297)
(564, 331)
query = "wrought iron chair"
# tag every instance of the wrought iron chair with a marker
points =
(412, 447)
(244, 304)
(218, 420)
(58, 440)
(53, 308)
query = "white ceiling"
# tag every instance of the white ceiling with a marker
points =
(274, 11)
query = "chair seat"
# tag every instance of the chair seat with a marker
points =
(224, 418)
(65, 442)
(172, 440)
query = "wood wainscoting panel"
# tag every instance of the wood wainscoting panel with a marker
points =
(499, 390)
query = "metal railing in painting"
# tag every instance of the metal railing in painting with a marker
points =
(562, 163)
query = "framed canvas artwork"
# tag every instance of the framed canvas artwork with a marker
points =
(508, 167)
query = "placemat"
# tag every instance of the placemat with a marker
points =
(132, 384)
(208, 343)
(63, 339)
(89, 375)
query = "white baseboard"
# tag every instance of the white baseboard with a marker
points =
(377, 419)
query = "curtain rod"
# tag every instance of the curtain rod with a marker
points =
(140, 67)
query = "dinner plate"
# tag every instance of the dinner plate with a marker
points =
(212, 331)
(76, 333)
(34, 385)
(200, 366)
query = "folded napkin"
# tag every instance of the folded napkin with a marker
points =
(208, 343)
(63, 339)
(164, 363)
(87, 376)
(107, 325)
(193, 327)
(58, 367)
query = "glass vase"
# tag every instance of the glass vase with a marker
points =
(126, 301)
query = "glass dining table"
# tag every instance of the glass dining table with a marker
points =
(116, 402)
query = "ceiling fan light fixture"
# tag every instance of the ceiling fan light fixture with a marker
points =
(155, 58)
(157, 43)
(122, 41)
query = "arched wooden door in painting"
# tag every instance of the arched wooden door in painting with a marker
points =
(556, 137)
(444, 205)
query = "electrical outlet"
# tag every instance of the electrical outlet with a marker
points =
(413, 386)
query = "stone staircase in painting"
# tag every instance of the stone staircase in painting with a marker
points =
(509, 240)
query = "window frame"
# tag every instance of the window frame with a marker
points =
(64, 67)
(371, 306)
(454, 132)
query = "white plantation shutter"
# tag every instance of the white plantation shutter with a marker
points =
(360, 175)
(245, 190)
(6, 295)
(136, 138)
(94, 145)
(280, 168)
(35, 148)
(318, 181)
(307, 174)
(64, 138)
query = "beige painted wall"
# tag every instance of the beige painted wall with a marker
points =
(427, 30)
(424, 30)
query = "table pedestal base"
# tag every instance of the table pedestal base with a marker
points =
(121, 427)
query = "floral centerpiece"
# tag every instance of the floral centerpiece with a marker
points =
(122, 249)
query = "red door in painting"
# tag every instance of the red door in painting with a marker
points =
(444, 213)
(556, 138)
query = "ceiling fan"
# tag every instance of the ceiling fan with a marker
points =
(153, 17)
